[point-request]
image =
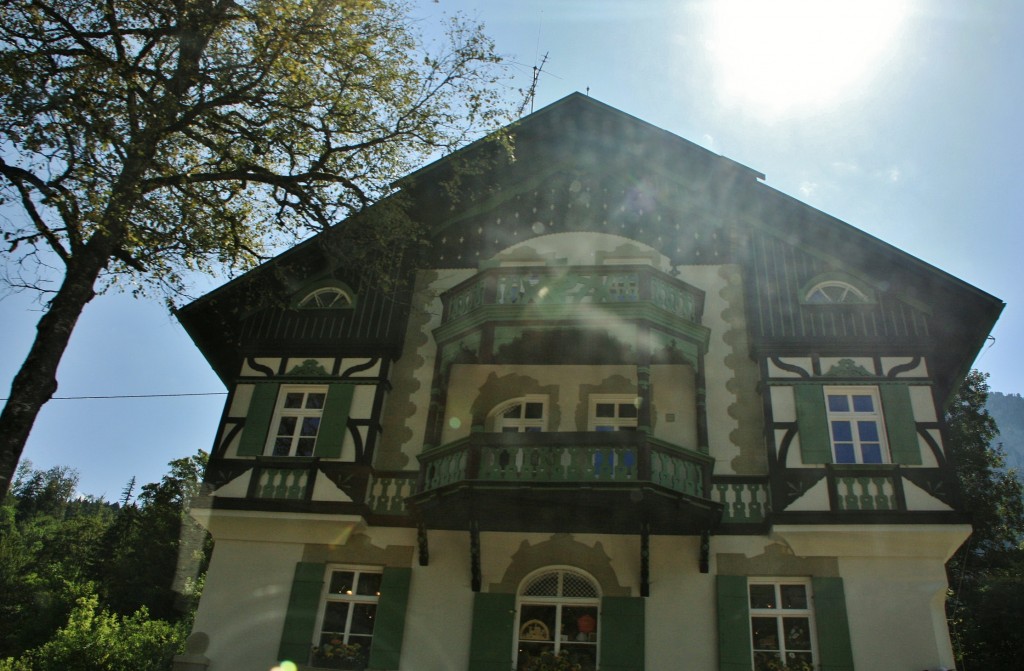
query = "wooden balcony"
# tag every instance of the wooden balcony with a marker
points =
(580, 482)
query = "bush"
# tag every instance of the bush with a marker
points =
(97, 640)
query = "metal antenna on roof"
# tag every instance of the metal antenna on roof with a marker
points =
(531, 92)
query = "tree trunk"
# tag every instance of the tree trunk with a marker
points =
(36, 380)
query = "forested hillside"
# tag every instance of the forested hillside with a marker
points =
(1008, 411)
(86, 584)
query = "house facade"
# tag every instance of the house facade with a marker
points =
(629, 406)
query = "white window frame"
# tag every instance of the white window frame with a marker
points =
(327, 597)
(835, 292)
(779, 614)
(556, 643)
(326, 298)
(854, 419)
(618, 422)
(522, 424)
(280, 411)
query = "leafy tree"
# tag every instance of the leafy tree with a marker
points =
(986, 575)
(139, 562)
(157, 547)
(96, 640)
(144, 140)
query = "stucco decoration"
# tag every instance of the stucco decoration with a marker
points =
(308, 368)
(564, 550)
(748, 435)
(497, 390)
(614, 384)
(847, 368)
(360, 550)
(401, 407)
(777, 560)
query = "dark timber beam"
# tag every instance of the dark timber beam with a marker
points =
(645, 559)
(474, 554)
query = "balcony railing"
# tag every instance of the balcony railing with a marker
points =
(587, 482)
(591, 458)
(561, 286)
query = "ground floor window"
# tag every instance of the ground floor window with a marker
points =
(558, 615)
(347, 616)
(781, 624)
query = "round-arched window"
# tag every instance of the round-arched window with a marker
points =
(558, 615)
(835, 291)
(326, 297)
(521, 415)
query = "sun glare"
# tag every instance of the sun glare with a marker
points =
(790, 57)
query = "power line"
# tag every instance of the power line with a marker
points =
(81, 398)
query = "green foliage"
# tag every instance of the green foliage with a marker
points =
(96, 640)
(71, 567)
(146, 140)
(986, 621)
(1008, 411)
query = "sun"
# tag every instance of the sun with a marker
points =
(793, 57)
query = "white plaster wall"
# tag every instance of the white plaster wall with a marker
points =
(717, 376)
(680, 613)
(673, 391)
(439, 619)
(895, 611)
(466, 380)
(245, 601)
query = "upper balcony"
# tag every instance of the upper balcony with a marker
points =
(586, 482)
(570, 297)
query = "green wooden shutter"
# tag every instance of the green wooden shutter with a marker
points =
(335, 421)
(834, 647)
(812, 423)
(622, 633)
(389, 628)
(490, 646)
(300, 619)
(257, 420)
(734, 648)
(900, 426)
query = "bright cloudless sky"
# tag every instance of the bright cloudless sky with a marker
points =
(901, 117)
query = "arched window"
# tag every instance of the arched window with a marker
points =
(525, 414)
(558, 615)
(832, 292)
(326, 297)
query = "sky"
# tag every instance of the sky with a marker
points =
(900, 117)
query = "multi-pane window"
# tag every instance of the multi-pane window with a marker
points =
(297, 421)
(327, 297)
(613, 412)
(345, 625)
(855, 425)
(781, 624)
(522, 415)
(558, 615)
(833, 291)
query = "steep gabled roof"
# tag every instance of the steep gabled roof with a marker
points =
(580, 165)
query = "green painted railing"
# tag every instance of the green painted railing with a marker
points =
(561, 286)
(288, 484)
(865, 493)
(862, 487)
(584, 458)
(385, 495)
(745, 500)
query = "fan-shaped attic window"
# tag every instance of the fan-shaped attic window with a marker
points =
(331, 298)
(836, 291)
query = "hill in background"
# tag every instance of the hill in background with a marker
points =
(1008, 411)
